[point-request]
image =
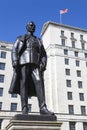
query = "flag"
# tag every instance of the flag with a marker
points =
(63, 11)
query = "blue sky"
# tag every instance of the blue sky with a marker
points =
(15, 14)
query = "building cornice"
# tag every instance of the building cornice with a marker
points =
(66, 47)
(5, 46)
(45, 26)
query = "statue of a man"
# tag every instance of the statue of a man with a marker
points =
(29, 61)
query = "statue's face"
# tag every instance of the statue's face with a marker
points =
(30, 27)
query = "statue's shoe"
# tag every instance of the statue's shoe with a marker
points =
(45, 111)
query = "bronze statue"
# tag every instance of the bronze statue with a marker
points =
(29, 61)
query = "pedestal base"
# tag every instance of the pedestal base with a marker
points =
(33, 122)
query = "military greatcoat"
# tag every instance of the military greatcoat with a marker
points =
(27, 50)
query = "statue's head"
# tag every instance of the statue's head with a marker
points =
(31, 27)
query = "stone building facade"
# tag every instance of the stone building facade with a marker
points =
(65, 78)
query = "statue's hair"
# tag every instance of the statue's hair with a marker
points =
(27, 26)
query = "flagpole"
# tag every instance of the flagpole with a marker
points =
(60, 18)
(62, 12)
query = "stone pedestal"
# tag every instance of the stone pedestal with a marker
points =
(33, 122)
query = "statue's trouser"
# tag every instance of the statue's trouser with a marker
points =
(26, 72)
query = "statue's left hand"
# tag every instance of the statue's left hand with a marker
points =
(15, 64)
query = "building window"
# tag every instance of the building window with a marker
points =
(3, 54)
(2, 66)
(76, 54)
(66, 61)
(1, 92)
(14, 95)
(67, 71)
(83, 110)
(79, 84)
(65, 52)
(86, 64)
(3, 46)
(1, 123)
(81, 37)
(13, 106)
(73, 44)
(72, 35)
(78, 73)
(84, 125)
(71, 109)
(81, 96)
(69, 95)
(83, 46)
(72, 126)
(0, 105)
(63, 42)
(77, 62)
(62, 33)
(29, 107)
(1, 78)
(68, 83)
(85, 55)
